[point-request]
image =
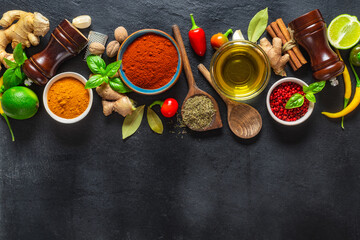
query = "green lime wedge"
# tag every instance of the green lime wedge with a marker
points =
(344, 31)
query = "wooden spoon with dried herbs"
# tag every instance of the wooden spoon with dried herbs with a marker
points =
(244, 120)
(200, 111)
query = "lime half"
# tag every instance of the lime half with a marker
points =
(344, 31)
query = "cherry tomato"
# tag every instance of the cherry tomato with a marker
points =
(169, 107)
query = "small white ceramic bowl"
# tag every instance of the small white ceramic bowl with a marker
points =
(51, 82)
(293, 123)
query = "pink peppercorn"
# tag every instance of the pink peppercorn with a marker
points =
(279, 97)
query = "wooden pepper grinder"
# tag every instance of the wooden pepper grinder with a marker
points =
(65, 42)
(310, 32)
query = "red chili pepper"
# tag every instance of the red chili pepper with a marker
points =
(197, 38)
(168, 107)
(219, 39)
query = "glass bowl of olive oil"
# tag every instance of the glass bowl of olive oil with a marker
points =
(240, 70)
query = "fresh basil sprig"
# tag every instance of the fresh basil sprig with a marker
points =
(14, 76)
(105, 74)
(297, 100)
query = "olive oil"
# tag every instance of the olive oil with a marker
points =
(240, 71)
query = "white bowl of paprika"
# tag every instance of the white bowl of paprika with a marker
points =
(65, 98)
(278, 96)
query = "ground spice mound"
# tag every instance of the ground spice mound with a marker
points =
(198, 112)
(150, 62)
(68, 98)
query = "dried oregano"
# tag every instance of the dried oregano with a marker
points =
(198, 112)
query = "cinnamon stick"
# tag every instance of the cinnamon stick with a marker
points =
(270, 30)
(279, 34)
(286, 34)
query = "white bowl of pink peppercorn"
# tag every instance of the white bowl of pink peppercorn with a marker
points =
(279, 94)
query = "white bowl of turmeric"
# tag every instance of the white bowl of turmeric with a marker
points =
(65, 98)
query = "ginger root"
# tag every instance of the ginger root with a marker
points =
(26, 31)
(277, 61)
(114, 101)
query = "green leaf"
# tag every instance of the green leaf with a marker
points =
(112, 68)
(310, 97)
(96, 64)
(117, 85)
(11, 79)
(258, 25)
(18, 72)
(154, 121)
(10, 63)
(132, 122)
(95, 81)
(296, 100)
(19, 54)
(314, 87)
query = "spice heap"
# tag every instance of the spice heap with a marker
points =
(280, 96)
(198, 112)
(150, 62)
(67, 98)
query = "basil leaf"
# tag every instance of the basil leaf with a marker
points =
(96, 64)
(10, 79)
(314, 87)
(19, 54)
(258, 25)
(10, 63)
(117, 85)
(310, 97)
(154, 121)
(296, 100)
(94, 81)
(18, 72)
(132, 122)
(112, 68)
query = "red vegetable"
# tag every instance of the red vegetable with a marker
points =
(219, 39)
(197, 38)
(169, 107)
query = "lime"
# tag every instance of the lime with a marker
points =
(344, 31)
(19, 103)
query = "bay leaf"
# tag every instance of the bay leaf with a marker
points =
(258, 25)
(154, 121)
(132, 122)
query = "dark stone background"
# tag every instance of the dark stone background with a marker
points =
(82, 181)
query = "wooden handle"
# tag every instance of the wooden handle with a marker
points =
(185, 59)
(207, 76)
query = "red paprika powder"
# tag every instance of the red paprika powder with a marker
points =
(150, 61)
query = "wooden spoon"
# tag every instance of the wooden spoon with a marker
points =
(244, 120)
(193, 89)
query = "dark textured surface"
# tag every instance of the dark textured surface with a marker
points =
(83, 182)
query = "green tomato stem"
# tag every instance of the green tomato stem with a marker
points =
(230, 31)
(158, 102)
(194, 26)
(9, 126)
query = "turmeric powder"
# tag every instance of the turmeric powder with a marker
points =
(68, 98)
